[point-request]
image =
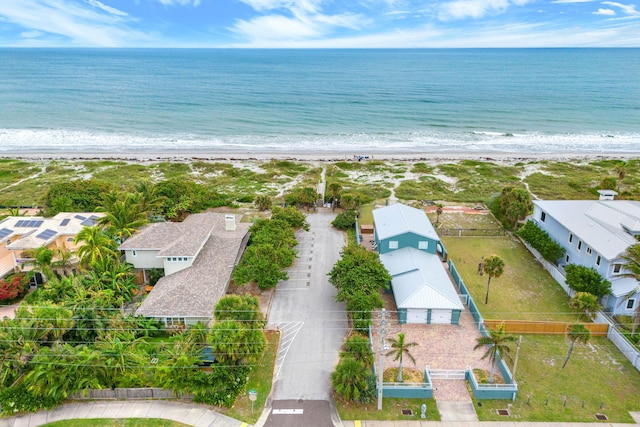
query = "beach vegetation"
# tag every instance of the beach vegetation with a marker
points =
(263, 202)
(302, 197)
(345, 220)
(608, 183)
(512, 205)
(83, 195)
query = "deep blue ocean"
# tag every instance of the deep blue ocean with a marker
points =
(302, 101)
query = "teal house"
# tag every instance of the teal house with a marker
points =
(411, 251)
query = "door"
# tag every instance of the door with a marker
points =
(416, 315)
(441, 316)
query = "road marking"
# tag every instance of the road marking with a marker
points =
(357, 423)
(289, 330)
(287, 411)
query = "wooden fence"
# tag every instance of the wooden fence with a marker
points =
(127, 393)
(542, 327)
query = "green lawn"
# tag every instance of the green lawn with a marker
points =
(127, 422)
(524, 292)
(597, 379)
(391, 410)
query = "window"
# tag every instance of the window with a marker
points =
(579, 245)
(423, 244)
(134, 253)
(617, 268)
(570, 238)
(393, 244)
(543, 216)
(588, 250)
(598, 259)
(630, 303)
(566, 259)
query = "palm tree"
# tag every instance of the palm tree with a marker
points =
(493, 267)
(350, 379)
(497, 341)
(621, 171)
(400, 349)
(335, 190)
(63, 258)
(585, 304)
(123, 215)
(439, 207)
(96, 245)
(576, 332)
(632, 269)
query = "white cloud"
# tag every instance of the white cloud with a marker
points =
(606, 12)
(308, 6)
(627, 9)
(106, 8)
(195, 3)
(460, 9)
(71, 23)
(33, 34)
(571, 1)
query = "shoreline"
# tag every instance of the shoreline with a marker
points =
(315, 156)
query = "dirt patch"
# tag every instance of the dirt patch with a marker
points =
(409, 375)
(264, 297)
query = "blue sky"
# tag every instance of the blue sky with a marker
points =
(319, 23)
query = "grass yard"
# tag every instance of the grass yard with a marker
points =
(259, 380)
(524, 292)
(126, 422)
(597, 379)
(391, 410)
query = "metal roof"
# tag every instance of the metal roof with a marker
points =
(604, 225)
(420, 280)
(398, 219)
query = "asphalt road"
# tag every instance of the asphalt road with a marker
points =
(312, 323)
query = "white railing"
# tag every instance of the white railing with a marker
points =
(627, 348)
(447, 374)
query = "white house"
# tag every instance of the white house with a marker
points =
(595, 233)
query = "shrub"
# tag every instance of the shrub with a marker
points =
(585, 279)
(541, 241)
(20, 399)
(13, 288)
(345, 220)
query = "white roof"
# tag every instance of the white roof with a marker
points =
(604, 225)
(397, 219)
(420, 280)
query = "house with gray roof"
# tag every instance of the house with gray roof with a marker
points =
(197, 257)
(412, 252)
(595, 233)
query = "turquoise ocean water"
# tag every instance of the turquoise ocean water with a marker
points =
(300, 101)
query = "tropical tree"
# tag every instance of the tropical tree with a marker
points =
(493, 267)
(263, 202)
(245, 309)
(63, 258)
(439, 207)
(95, 245)
(123, 215)
(335, 190)
(585, 304)
(621, 171)
(358, 347)
(498, 346)
(400, 348)
(515, 204)
(358, 270)
(235, 344)
(576, 332)
(632, 269)
(291, 216)
(350, 380)
(42, 259)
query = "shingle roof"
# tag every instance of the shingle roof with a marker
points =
(176, 238)
(194, 291)
(601, 224)
(397, 219)
(420, 280)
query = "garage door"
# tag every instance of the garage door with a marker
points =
(440, 316)
(416, 315)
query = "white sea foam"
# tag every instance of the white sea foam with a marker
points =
(30, 141)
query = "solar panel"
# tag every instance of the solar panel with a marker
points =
(46, 234)
(5, 232)
(80, 217)
(89, 222)
(29, 223)
(65, 222)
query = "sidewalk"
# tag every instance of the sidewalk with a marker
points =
(186, 413)
(472, 424)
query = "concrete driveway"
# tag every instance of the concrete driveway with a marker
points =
(312, 323)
